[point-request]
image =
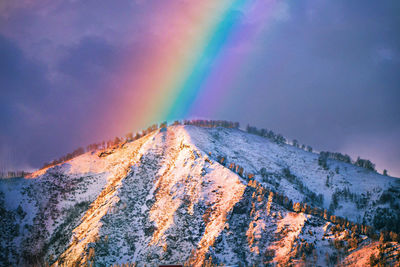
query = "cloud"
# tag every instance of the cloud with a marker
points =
(24, 88)
(89, 59)
(16, 70)
(23, 83)
(282, 12)
(385, 54)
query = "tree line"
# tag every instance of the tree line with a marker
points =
(363, 163)
(129, 137)
(276, 138)
(212, 123)
(13, 174)
(323, 155)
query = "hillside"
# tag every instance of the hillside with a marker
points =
(194, 195)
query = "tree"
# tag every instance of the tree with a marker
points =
(297, 207)
(117, 140)
(365, 163)
(326, 215)
(240, 172)
(322, 160)
(305, 208)
(163, 124)
(394, 237)
(129, 137)
(383, 237)
(334, 202)
(295, 143)
(373, 260)
(385, 172)
(20, 211)
(280, 139)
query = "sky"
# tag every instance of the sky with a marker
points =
(74, 72)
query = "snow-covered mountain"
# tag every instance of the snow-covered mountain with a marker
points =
(196, 196)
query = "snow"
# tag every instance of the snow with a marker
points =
(165, 199)
(254, 152)
(292, 223)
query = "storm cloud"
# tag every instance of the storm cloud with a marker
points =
(325, 73)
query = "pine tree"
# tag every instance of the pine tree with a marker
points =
(295, 143)
(297, 207)
(117, 140)
(129, 137)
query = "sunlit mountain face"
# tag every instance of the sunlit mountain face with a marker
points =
(197, 194)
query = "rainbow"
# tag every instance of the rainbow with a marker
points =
(194, 62)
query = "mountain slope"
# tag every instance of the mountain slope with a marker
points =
(178, 195)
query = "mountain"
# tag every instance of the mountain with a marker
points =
(200, 196)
